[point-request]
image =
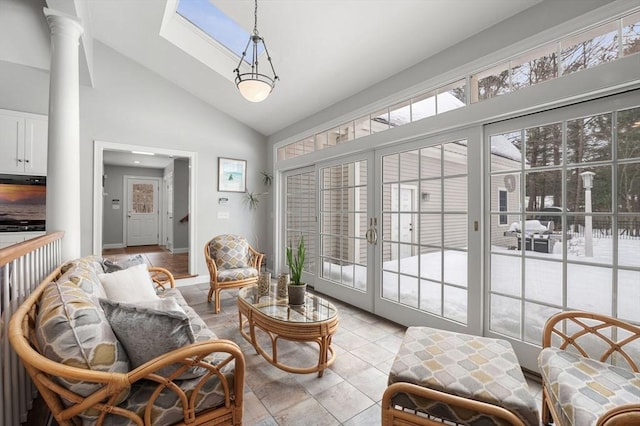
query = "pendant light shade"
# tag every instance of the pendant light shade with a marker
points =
(254, 90)
(254, 86)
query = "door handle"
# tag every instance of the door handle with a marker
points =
(372, 233)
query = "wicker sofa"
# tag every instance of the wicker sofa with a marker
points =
(589, 366)
(77, 347)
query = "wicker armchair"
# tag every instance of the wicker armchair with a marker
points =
(590, 367)
(232, 263)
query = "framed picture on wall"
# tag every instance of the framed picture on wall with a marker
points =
(232, 175)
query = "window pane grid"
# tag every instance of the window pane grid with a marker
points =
(420, 242)
(581, 222)
(343, 224)
(300, 204)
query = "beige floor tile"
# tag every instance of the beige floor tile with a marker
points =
(371, 381)
(308, 413)
(344, 401)
(372, 416)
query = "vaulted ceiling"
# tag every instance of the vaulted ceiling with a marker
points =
(324, 51)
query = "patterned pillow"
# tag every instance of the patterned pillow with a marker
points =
(230, 251)
(72, 330)
(92, 262)
(85, 278)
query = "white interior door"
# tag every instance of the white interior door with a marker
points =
(142, 211)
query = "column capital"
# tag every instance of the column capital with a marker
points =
(63, 24)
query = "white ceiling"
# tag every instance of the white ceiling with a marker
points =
(323, 50)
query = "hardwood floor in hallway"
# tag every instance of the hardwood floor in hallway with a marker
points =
(153, 255)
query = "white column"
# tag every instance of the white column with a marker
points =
(63, 155)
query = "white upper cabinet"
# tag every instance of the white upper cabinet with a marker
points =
(23, 143)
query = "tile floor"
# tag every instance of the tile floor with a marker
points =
(350, 391)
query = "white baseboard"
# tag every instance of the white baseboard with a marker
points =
(182, 282)
(180, 250)
(113, 246)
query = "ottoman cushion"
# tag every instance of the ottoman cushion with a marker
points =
(479, 368)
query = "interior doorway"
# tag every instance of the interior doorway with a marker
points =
(151, 225)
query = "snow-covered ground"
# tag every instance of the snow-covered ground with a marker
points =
(589, 283)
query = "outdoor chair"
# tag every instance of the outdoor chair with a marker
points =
(232, 263)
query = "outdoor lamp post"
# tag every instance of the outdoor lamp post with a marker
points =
(587, 182)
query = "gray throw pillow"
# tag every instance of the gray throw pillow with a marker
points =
(109, 266)
(148, 330)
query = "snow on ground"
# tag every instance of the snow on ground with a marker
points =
(589, 283)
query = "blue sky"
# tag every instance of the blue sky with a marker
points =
(206, 16)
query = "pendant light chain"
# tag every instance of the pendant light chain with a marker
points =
(254, 85)
(255, 19)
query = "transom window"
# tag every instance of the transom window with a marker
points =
(604, 43)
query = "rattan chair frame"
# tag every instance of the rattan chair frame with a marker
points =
(592, 324)
(393, 415)
(217, 286)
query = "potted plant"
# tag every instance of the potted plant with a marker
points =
(297, 289)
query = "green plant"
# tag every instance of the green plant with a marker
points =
(296, 261)
(266, 178)
(252, 200)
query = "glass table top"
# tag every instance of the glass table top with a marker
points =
(315, 308)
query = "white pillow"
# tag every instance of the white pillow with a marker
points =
(130, 285)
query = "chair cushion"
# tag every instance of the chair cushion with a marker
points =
(472, 367)
(73, 330)
(151, 329)
(230, 251)
(237, 274)
(582, 389)
(167, 409)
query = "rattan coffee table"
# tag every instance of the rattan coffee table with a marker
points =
(315, 321)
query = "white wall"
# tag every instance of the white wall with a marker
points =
(24, 40)
(131, 105)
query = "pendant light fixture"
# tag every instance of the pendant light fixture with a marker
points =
(254, 86)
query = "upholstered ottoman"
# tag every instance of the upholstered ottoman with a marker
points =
(456, 377)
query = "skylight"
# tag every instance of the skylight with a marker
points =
(216, 24)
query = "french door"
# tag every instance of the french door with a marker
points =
(347, 229)
(396, 231)
(427, 256)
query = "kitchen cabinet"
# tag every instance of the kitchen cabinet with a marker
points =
(23, 143)
(10, 238)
